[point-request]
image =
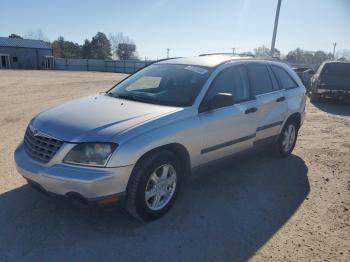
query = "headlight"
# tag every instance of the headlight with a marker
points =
(90, 154)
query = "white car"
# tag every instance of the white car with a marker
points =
(137, 143)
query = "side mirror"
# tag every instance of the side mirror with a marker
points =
(220, 100)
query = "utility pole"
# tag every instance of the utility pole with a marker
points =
(167, 52)
(272, 51)
(233, 50)
(334, 45)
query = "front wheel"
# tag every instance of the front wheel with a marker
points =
(153, 186)
(287, 139)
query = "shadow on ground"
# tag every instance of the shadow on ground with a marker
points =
(227, 215)
(334, 107)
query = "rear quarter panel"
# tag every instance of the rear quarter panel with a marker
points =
(296, 97)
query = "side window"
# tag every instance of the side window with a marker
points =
(260, 78)
(286, 81)
(233, 80)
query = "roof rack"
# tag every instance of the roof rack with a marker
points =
(161, 60)
(230, 54)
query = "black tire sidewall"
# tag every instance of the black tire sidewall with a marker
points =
(144, 171)
(280, 150)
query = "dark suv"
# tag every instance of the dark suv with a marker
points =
(332, 79)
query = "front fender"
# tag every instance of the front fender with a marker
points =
(184, 132)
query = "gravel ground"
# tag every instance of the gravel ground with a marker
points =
(259, 208)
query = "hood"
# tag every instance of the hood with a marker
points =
(96, 118)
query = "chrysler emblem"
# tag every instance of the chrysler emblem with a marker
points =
(37, 132)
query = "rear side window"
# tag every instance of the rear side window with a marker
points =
(286, 81)
(233, 80)
(274, 80)
(260, 78)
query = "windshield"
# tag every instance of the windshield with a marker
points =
(336, 69)
(164, 84)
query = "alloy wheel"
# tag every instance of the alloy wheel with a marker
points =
(160, 187)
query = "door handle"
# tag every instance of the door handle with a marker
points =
(251, 110)
(280, 99)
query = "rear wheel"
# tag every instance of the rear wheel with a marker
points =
(287, 139)
(153, 186)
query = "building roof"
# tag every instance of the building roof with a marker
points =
(26, 43)
(205, 60)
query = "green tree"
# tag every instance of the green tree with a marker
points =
(86, 49)
(100, 47)
(65, 49)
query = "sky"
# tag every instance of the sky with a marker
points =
(186, 27)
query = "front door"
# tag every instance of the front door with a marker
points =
(231, 129)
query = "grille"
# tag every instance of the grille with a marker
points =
(39, 147)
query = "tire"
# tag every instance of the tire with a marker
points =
(142, 181)
(314, 97)
(281, 149)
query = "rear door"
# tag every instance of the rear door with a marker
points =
(231, 129)
(271, 101)
(290, 88)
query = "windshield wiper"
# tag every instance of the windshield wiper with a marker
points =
(131, 97)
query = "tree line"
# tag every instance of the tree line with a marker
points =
(117, 46)
(120, 46)
(300, 56)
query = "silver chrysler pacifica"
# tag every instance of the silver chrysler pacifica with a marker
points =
(137, 143)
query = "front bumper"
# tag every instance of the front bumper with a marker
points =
(90, 183)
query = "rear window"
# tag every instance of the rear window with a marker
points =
(284, 78)
(260, 77)
(336, 69)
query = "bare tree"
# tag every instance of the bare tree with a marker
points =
(121, 51)
(342, 54)
(36, 35)
(263, 51)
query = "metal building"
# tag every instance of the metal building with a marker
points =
(25, 54)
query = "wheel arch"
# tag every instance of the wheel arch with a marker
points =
(296, 117)
(178, 150)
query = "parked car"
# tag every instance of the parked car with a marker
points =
(305, 74)
(332, 79)
(140, 141)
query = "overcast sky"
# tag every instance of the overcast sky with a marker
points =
(187, 27)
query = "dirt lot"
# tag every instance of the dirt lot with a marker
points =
(293, 209)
